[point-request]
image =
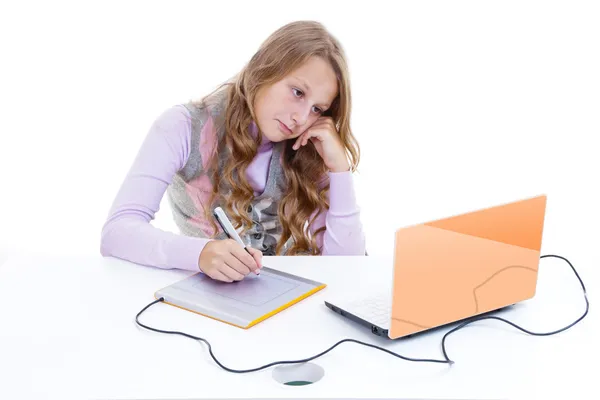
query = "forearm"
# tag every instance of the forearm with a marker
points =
(344, 234)
(132, 238)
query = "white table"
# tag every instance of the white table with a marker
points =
(3, 257)
(68, 331)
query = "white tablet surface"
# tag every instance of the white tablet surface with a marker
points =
(243, 303)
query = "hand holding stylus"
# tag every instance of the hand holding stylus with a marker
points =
(227, 261)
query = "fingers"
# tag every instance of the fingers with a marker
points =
(317, 136)
(305, 140)
(323, 121)
(236, 265)
(257, 255)
(298, 141)
(244, 258)
(239, 263)
(302, 140)
(231, 273)
(218, 275)
(317, 132)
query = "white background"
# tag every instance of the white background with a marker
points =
(457, 106)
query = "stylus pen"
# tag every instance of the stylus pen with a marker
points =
(228, 227)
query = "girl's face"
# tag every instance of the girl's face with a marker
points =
(288, 107)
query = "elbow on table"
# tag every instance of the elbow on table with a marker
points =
(106, 240)
(358, 248)
(112, 237)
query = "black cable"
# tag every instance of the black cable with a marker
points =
(587, 307)
(276, 362)
(445, 361)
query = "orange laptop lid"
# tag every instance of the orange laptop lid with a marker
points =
(458, 267)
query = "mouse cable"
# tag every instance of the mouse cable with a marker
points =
(446, 360)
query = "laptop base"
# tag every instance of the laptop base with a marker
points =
(375, 329)
(383, 332)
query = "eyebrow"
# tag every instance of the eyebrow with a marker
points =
(307, 89)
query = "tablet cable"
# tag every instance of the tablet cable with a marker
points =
(446, 359)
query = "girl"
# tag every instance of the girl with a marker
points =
(273, 148)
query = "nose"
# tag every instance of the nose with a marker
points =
(300, 115)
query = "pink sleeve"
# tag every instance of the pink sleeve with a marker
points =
(127, 232)
(344, 234)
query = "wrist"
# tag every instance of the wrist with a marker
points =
(342, 196)
(340, 167)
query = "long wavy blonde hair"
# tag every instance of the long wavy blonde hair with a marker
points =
(307, 191)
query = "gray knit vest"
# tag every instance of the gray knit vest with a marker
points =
(190, 189)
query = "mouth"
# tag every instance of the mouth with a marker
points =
(283, 127)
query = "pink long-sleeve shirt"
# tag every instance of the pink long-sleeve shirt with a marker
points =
(128, 233)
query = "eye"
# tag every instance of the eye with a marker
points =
(299, 93)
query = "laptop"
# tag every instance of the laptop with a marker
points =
(452, 269)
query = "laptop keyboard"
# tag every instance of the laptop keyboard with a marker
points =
(375, 309)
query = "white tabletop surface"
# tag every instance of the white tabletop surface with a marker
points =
(68, 331)
(3, 256)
